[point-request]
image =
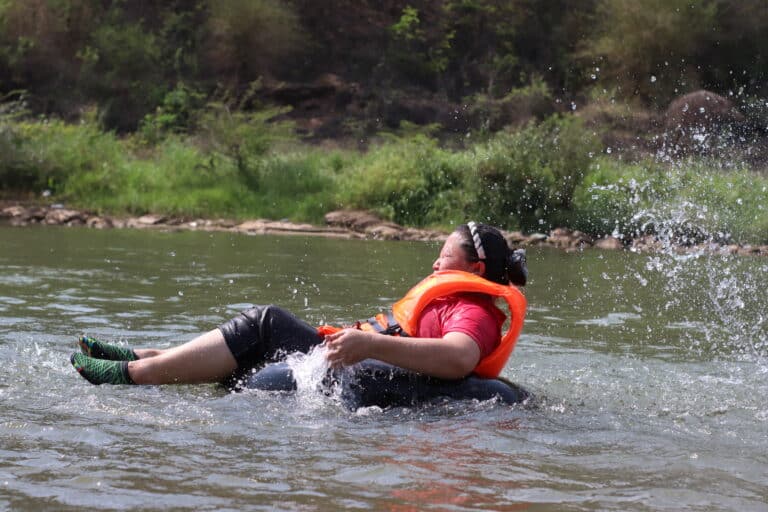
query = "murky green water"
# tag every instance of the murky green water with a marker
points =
(651, 373)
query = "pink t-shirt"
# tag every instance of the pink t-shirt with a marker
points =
(472, 314)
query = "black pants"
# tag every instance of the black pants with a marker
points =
(265, 334)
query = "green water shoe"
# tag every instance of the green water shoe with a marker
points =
(100, 371)
(100, 350)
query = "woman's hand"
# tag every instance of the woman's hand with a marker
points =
(452, 357)
(347, 347)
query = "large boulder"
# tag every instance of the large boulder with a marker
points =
(701, 111)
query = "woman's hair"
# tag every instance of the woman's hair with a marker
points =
(485, 243)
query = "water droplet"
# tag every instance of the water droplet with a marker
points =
(653, 79)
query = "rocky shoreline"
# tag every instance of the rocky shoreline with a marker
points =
(349, 224)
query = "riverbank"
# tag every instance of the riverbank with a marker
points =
(349, 224)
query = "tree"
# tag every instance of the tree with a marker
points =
(649, 48)
(248, 38)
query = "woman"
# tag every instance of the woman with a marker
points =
(452, 335)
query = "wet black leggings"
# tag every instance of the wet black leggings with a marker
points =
(265, 334)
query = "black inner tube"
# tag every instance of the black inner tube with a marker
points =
(374, 383)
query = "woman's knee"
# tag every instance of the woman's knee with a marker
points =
(260, 333)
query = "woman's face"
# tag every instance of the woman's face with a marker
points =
(453, 257)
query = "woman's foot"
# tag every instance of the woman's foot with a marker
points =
(100, 350)
(100, 371)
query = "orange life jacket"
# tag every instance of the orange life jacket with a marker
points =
(404, 319)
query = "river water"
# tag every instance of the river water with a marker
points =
(650, 374)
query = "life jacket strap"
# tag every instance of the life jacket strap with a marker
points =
(385, 323)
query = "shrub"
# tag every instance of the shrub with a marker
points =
(122, 66)
(409, 181)
(248, 38)
(43, 155)
(176, 114)
(526, 178)
(691, 202)
(245, 137)
(612, 193)
(656, 38)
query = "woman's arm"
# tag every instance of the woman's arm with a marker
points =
(453, 356)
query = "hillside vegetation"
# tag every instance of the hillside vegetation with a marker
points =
(528, 114)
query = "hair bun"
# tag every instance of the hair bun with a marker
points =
(517, 269)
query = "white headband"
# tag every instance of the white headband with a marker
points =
(476, 239)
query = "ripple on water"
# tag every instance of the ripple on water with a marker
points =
(623, 420)
(611, 319)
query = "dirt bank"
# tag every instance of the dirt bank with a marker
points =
(350, 224)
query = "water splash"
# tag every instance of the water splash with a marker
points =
(722, 294)
(314, 388)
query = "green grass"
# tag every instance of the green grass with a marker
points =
(536, 178)
(724, 203)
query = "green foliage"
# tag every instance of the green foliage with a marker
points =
(43, 155)
(526, 179)
(244, 137)
(539, 177)
(456, 46)
(176, 114)
(122, 64)
(15, 171)
(407, 28)
(612, 193)
(415, 52)
(697, 200)
(181, 180)
(248, 38)
(650, 47)
(409, 181)
(531, 102)
(38, 42)
(483, 44)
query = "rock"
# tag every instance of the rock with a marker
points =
(384, 232)
(560, 233)
(21, 215)
(567, 239)
(701, 110)
(359, 220)
(150, 220)
(537, 238)
(252, 226)
(646, 243)
(361, 224)
(63, 216)
(515, 237)
(13, 211)
(609, 243)
(99, 222)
